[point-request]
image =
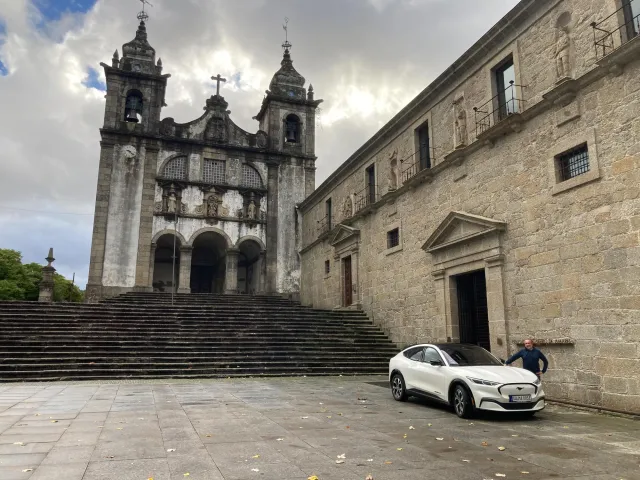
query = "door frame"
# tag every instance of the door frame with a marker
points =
(347, 281)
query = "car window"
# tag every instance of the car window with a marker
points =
(410, 352)
(431, 355)
(418, 356)
(468, 355)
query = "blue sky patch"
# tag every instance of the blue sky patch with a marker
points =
(53, 10)
(3, 31)
(93, 80)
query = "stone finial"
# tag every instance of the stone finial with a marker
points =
(46, 284)
(159, 66)
(50, 258)
(115, 61)
(310, 94)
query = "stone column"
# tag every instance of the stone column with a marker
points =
(46, 285)
(261, 271)
(442, 327)
(146, 218)
(498, 327)
(231, 274)
(184, 280)
(152, 265)
(272, 225)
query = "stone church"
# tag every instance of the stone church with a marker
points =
(203, 206)
(503, 202)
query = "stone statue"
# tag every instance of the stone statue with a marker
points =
(563, 64)
(212, 206)
(393, 171)
(347, 208)
(172, 203)
(251, 210)
(460, 124)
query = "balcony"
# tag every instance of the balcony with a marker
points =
(416, 165)
(503, 106)
(365, 198)
(617, 29)
(324, 226)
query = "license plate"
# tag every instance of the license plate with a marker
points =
(519, 398)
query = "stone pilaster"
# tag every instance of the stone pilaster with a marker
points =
(146, 219)
(261, 271)
(152, 265)
(46, 285)
(498, 328)
(272, 226)
(231, 274)
(184, 282)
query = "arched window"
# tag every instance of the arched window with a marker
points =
(175, 169)
(133, 107)
(292, 126)
(251, 177)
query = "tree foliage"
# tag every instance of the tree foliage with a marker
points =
(20, 281)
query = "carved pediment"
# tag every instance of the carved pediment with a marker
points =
(344, 233)
(460, 227)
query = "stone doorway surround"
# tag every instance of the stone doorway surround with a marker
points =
(346, 243)
(464, 243)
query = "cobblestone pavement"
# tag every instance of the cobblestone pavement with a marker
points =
(292, 428)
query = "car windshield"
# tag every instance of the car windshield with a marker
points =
(467, 355)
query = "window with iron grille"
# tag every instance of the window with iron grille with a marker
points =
(176, 169)
(573, 163)
(393, 238)
(327, 267)
(251, 177)
(214, 171)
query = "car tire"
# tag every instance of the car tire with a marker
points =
(462, 402)
(398, 388)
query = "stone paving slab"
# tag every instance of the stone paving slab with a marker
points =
(292, 428)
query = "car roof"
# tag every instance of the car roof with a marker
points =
(441, 345)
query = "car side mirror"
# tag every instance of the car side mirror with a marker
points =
(436, 363)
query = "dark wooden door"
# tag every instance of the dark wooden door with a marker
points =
(348, 290)
(473, 313)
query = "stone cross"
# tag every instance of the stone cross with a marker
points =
(218, 79)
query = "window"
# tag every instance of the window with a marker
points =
(251, 177)
(371, 184)
(431, 355)
(214, 171)
(505, 86)
(418, 356)
(632, 17)
(393, 238)
(410, 352)
(423, 147)
(573, 163)
(328, 215)
(327, 267)
(133, 107)
(175, 169)
(292, 127)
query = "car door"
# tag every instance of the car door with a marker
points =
(430, 378)
(413, 362)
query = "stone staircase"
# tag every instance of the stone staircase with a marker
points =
(144, 335)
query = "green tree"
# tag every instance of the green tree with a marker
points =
(10, 291)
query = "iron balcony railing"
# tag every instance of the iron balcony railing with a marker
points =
(365, 197)
(624, 22)
(417, 162)
(500, 107)
(324, 225)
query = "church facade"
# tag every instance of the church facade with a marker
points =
(503, 203)
(204, 206)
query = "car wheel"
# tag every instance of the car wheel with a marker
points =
(462, 402)
(398, 388)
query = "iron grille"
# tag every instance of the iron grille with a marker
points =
(175, 169)
(214, 171)
(393, 238)
(327, 267)
(251, 177)
(574, 162)
(365, 197)
(324, 226)
(497, 109)
(604, 31)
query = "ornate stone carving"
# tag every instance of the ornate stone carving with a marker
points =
(460, 122)
(562, 52)
(261, 139)
(392, 179)
(158, 207)
(172, 203)
(216, 130)
(347, 208)
(213, 205)
(167, 127)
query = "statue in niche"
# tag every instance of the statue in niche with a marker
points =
(393, 171)
(347, 208)
(252, 210)
(172, 203)
(460, 124)
(213, 206)
(563, 61)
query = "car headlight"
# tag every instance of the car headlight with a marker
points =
(537, 381)
(479, 381)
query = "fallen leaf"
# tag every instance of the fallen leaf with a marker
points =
(399, 449)
(411, 428)
(313, 477)
(18, 443)
(439, 438)
(328, 416)
(344, 455)
(54, 421)
(185, 474)
(119, 428)
(404, 436)
(428, 424)
(255, 470)
(171, 449)
(369, 459)
(208, 435)
(502, 449)
(347, 426)
(369, 477)
(109, 456)
(339, 461)
(304, 418)
(256, 456)
(388, 462)
(524, 473)
(565, 427)
(279, 439)
(500, 475)
(471, 424)
(321, 403)
(519, 459)
(484, 444)
(27, 470)
(515, 435)
(468, 461)
(38, 414)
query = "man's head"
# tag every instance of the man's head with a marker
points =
(528, 344)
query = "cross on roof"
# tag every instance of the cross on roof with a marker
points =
(142, 16)
(218, 79)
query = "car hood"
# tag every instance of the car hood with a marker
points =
(497, 373)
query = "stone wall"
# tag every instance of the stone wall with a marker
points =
(566, 267)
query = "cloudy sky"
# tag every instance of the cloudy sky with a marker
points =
(365, 58)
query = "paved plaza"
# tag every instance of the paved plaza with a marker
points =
(292, 428)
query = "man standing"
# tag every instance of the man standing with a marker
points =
(531, 357)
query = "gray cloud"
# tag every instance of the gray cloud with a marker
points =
(365, 58)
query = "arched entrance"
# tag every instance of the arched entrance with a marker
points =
(249, 267)
(163, 267)
(208, 263)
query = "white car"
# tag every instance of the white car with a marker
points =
(466, 377)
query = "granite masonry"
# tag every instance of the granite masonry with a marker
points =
(503, 203)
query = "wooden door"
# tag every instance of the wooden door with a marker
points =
(348, 289)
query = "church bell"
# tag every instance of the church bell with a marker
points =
(131, 115)
(291, 136)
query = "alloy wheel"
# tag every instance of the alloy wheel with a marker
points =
(459, 401)
(397, 388)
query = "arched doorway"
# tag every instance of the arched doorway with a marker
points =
(163, 267)
(208, 261)
(249, 267)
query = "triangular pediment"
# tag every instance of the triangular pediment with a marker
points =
(460, 227)
(342, 233)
